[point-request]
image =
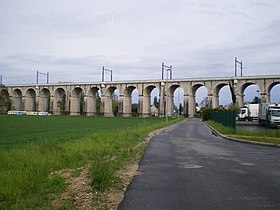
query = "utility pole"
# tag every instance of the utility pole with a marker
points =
(45, 74)
(1, 79)
(235, 66)
(103, 73)
(168, 69)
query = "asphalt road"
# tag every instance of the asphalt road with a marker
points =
(189, 168)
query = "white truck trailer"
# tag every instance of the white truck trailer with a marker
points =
(269, 115)
(249, 112)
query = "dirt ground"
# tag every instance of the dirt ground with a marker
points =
(80, 195)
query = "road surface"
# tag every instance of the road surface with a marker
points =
(189, 168)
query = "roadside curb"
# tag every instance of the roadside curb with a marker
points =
(217, 133)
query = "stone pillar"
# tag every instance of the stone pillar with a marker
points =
(125, 106)
(67, 104)
(43, 103)
(239, 100)
(90, 106)
(265, 98)
(30, 103)
(215, 101)
(161, 100)
(191, 106)
(170, 105)
(210, 101)
(106, 106)
(145, 106)
(75, 106)
(17, 104)
(186, 105)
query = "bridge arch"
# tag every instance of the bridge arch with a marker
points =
(5, 103)
(17, 103)
(90, 101)
(192, 98)
(59, 101)
(30, 100)
(145, 100)
(249, 91)
(77, 101)
(44, 100)
(125, 102)
(107, 99)
(178, 100)
(274, 92)
(221, 87)
(169, 106)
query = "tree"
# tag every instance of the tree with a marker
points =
(204, 102)
(156, 102)
(256, 100)
(98, 104)
(115, 104)
(62, 104)
(5, 102)
(180, 109)
(134, 110)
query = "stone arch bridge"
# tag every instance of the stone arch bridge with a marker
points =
(64, 98)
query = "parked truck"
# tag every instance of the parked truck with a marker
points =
(249, 112)
(269, 115)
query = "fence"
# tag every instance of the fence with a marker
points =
(226, 118)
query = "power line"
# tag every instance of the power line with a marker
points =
(235, 66)
(106, 70)
(45, 74)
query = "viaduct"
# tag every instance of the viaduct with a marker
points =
(66, 98)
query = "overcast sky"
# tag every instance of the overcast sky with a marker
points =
(72, 40)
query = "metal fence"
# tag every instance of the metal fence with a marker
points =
(226, 118)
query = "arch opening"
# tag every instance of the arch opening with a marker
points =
(110, 102)
(92, 102)
(5, 102)
(224, 96)
(251, 94)
(44, 100)
(17, 104)
(178, 101)
(154, 102)
(126, 107)
(30, 100)
(77, 101)
(59, 104)
(135, 103)
(275, 93)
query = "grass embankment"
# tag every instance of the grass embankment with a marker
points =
(32, 147)
(267, 136)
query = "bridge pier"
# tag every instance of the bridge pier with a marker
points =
(145, 106)
(192, 110)
(90, 106)
(106, 107)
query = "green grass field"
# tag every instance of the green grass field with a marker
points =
(267, 136)
(32, 147)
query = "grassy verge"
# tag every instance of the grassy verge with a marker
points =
(267, 136)
(31, 148)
